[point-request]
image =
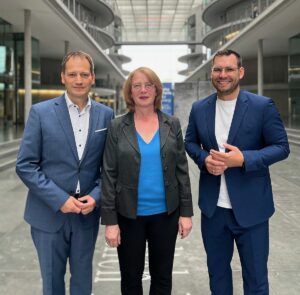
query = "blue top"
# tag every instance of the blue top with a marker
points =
(151, 189)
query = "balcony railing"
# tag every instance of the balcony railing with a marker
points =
(260, 4)
(233, 21)
(89, 21)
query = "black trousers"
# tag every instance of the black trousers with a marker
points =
(160, 231)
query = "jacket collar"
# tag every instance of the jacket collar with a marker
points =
(164, 127)
(240, 109)
(63, 116)
(238, 115)
(95, 114)
(130, 131)
(210, 114)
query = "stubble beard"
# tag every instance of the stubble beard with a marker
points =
(228, 91)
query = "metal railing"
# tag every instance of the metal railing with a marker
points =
(88, 20)
(232, 21)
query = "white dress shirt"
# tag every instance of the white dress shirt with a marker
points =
(80, 124)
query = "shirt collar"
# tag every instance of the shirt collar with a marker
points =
(72, 104)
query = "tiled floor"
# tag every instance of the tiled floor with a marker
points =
(19, 272)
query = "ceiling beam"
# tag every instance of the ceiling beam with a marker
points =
(158, 43)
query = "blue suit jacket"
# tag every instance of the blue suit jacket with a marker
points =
(257, 130)
(49, 166)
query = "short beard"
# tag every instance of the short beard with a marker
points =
(228, 91)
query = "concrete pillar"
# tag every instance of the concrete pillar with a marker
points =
(74, 7)
(67, 46)
(12, 73)
(259, 6)
(27, 64)
(290, 112)
(260, 67)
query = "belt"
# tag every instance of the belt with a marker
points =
(77, 196)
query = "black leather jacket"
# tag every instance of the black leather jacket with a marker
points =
(121, 166)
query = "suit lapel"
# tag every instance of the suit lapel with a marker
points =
(240, 109)
(210, 115)
(164, 128)
(130, 131)
(94, 116)
(63, 116)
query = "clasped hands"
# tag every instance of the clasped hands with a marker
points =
(73, 205)
(217, 162)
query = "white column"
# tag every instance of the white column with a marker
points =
(259, 6)
(67, 45)
(260, 67)
(27, 64)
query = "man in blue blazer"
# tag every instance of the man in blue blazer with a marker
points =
(234, 136)
(60, 159)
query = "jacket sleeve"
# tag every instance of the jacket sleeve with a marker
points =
(110, 174)
(182, 175)
(275, 139)
(193, 144)
(28, 165)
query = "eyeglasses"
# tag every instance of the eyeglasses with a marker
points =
(138, 87)
(227, 70)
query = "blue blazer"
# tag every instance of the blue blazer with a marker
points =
(48, 162)
(258, 131)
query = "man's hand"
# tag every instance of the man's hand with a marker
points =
(234, 158)
(214, 166)
(88, 205)
(112, 235)
(185, 226)
(71, 206)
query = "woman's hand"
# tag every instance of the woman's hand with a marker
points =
(185, 226)
(112, 235)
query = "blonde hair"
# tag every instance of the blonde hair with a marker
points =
(153, 78)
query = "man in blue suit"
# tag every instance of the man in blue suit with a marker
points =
(234, 136)
(60, 159)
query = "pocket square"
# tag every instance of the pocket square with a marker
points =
(99, 130)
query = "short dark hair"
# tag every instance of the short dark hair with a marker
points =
(79, 54)
(228, 52)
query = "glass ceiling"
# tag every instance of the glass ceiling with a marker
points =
(154, 20)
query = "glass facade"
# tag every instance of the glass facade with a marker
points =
(12, 73)
(19, 73)
(6, 72)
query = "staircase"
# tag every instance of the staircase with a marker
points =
(8, 153)
(294, 136)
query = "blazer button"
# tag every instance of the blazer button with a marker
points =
(166, 168)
